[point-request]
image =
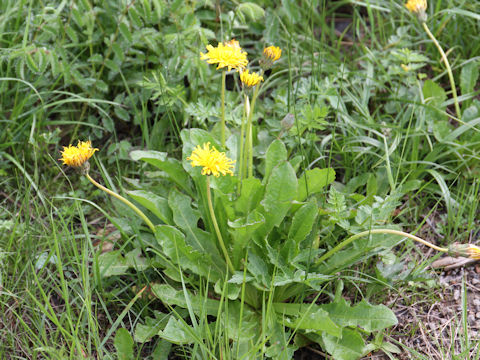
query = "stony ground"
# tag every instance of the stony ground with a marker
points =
(436, 328)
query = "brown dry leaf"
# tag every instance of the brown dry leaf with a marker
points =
(449, 262)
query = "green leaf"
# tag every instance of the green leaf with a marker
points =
(114, 263)
(242, 230)
(468, 80)
(252, 10)
(433, 93)
(279, 194)
(367, 316)
(186, 218)
(302, 223)
(112, 65)
(259, 269)
(174, 246)
(349, 347)
(250, 195)
(156, 204)
(122, 113)
(172, 167)
(313, 181)
(435, 116)
(201, 305)
(306, 317)
(123, 344)
(276, 154)
(176, 332)
(125, 31)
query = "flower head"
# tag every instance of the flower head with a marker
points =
(270, 55)
(418, 7)
(465, 250)
(250, 79)
(76, 156)
(228, 54)
(272, 52)
(213, 161)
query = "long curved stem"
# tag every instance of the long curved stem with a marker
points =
(217, 229)
(222, 130)
(122, 199)
(447, 65)
(377, 231)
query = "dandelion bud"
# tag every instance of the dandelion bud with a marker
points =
(466, 250)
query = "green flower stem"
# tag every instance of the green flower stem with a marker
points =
(449, 69)
(122, 199)
(242, 140)
(217, 229)
(249, 135)
(377, 231)
(222, 133)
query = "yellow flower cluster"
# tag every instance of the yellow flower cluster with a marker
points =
(213, 161)
(250, 79)
(228, 54)
(76, 156)
(416, 6)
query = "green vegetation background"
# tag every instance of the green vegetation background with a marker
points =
(366, 88)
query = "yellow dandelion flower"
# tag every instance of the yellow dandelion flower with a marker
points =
(250, 79)
(272, 53)
(229, 55)
(416, 6)
(213, 161)
(76, 156)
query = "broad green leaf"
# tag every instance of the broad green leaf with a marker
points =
(170, 166)
(228, 289)
(259, 269)
(279, 194)
(469, 77)
(114, 263)
(200, 304)
(144, 332)
(186, 218)
(123, 344)
(156, 204)
(313, 181)
(435, 116)
(302, 222)
(367, 316)
(242, 230)
(349, 347)
(174, 246)
(250, 195)
(176, 332)
(309, 317)
(276, 154)
(433, 93)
